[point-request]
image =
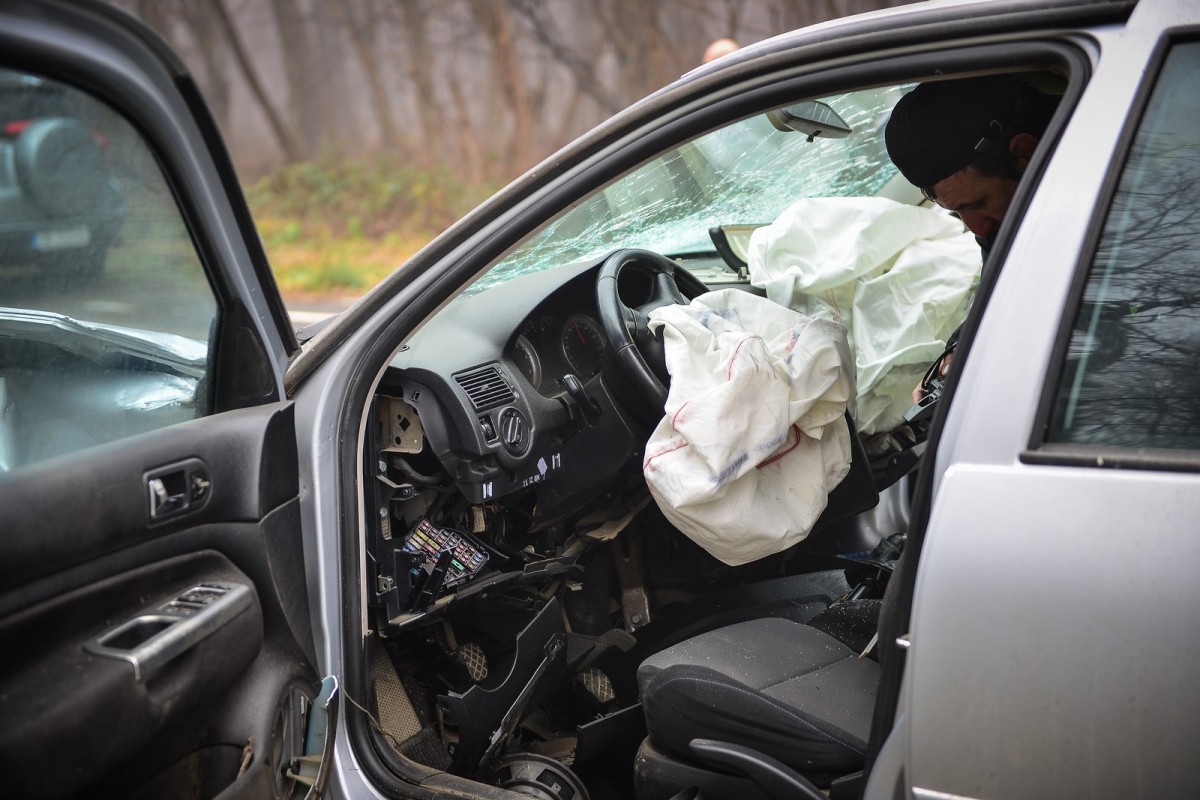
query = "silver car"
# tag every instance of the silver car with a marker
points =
(411, 552)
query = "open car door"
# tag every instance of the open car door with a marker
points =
(153, 609)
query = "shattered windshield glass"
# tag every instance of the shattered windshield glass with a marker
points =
(746, 173)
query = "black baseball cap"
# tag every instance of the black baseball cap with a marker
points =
(941, 127)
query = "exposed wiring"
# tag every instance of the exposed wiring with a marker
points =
(391, 739)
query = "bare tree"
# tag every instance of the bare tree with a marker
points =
(363, 28)
(287, 138)
(581, 66)
(496, 25)
(210, 47)
(1133, 373)
(487, 84)
(294, 49)
(647, 57)
(419, 54)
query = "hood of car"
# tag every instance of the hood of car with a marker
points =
(101, 342)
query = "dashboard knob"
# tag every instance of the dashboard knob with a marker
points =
(514, 431)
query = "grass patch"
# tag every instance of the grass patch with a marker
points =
(335, 226)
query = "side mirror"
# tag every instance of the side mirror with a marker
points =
(812, 118)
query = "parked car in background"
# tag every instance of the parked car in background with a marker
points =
(410, 552)
(61, 205)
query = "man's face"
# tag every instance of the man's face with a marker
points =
(980, 200)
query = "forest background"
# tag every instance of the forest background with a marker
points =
(362, 128)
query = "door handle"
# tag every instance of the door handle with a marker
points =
(177, 488)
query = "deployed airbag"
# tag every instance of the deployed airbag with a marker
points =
(755, 436)
(900, 277)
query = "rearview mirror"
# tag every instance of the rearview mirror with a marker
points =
(812, 118)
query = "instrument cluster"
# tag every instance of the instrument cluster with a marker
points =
(551, 344)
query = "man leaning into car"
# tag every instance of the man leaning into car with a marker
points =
(966, 143)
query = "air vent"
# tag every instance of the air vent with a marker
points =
(486, 387)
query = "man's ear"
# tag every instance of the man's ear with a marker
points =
(1022, 146)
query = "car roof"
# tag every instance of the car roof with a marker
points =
(931, 13)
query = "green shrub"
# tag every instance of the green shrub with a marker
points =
(342, 224)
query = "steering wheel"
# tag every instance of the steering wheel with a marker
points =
(638, 352)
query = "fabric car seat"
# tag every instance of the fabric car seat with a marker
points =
(781, 688)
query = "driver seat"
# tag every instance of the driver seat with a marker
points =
(772, 687)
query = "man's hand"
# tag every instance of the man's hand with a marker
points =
(943, 367)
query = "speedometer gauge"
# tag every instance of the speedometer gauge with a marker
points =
(583, 345)
(526, 359)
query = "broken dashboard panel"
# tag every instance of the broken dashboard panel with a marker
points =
(457, 508)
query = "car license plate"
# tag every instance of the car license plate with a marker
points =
(79, 236)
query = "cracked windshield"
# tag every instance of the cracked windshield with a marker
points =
(743, 175)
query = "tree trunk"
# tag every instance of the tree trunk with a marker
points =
(419, 63)
(362, 39)
(496, 24)
(582, 68)
(294, 47)
(287, 141)
(472, 151)
(214, 80)
(647, 60)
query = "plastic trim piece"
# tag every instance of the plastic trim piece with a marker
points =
(775, 777)
(314, 767)
(1080, 455)
(177, 626)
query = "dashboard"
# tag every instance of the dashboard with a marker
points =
(485, 461)
(506, 442)
(484, 381)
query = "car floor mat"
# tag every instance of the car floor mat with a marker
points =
(399, 722)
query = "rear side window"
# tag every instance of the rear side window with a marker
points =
(105, 309)
(1132, 375)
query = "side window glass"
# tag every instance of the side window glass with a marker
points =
(105, 309)
(1132, 376)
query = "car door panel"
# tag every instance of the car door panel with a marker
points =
(993, 646)
(85, 562)
(60, 697)
(1054, 611)
(71, 510)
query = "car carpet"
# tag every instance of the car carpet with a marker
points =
(398, 719)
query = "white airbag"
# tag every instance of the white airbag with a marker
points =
(754, 437)
(900, 277)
